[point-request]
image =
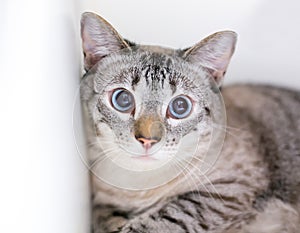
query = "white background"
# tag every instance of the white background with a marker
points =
(268, 48)
(43, 183)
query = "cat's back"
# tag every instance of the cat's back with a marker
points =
(272, 106)
(258, 95)
(275, 108)
(273, 116)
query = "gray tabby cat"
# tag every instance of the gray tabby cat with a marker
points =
(254, 185)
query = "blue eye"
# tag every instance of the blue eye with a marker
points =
(122, 100)
(180, 107)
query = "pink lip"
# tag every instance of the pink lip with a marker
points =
(144, 157)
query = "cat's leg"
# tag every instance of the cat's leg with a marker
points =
(107, 219)
(277, 217)
(187, 214)
(156, 223)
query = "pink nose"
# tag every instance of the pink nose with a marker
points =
(147, 143)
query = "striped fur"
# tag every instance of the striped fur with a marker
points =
(253, 187)
(247, 193)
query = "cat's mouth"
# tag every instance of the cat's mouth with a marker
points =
(144, 157)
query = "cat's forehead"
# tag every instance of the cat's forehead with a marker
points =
(156, 68)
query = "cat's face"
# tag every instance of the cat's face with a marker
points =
(149, 109)
(149, 105)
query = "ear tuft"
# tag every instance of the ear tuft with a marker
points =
(99, 39)
(214, 53)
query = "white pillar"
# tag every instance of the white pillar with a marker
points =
(43, 182)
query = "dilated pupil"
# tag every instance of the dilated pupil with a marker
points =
(180, 105)
(124, 99)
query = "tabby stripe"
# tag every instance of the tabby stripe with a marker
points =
(276, 148)
(278, 100)
(147, 68)
(178, 222)
(233, 207)
(152, 217)
(294, 95)
(236, 182)
(135, 79)
(199, 210)
(198, 206)
(221, 197)
(203, 226)
(131, 230)
(185, 210)
(218, 212)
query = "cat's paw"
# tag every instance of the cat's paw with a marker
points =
(135, 225)
(104, 221)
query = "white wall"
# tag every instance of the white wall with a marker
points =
(269, 34)
(43, 183)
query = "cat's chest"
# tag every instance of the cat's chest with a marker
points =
(127, 200)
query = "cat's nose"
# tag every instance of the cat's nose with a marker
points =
(147, 142)
(148, 130)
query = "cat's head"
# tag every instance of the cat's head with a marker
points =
(149, 104)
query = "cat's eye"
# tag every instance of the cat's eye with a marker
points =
(122, 100)
(180, 107)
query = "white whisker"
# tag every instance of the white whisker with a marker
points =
(102, 157)
(185, 173)
(191, 173)
(207, 179)
(227, 131)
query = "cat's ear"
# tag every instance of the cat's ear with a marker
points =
(213, 53)
(99, 39)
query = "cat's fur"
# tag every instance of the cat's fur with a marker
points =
(254, 185)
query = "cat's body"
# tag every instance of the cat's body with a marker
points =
(253, 186)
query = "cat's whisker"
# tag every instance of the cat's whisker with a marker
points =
(117, 156)
(230, 127)
(102, 157)
(202, 174)
(227, 131)
(213, 187)
(184, 174)
(187, 172)
(190, 172)
(204, 162)
(99, 142)
(93, 143)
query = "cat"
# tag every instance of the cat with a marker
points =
(146, 105)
